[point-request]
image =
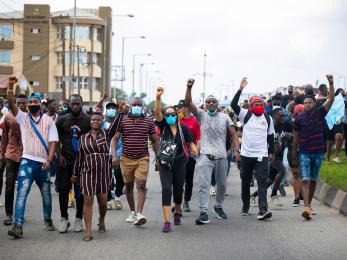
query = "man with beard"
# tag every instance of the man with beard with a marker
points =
(70, 127)
(39, 135)
(214, 129)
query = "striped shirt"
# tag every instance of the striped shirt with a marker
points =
(310, 129)
(94, 163)
(32, 147)
(135, 136)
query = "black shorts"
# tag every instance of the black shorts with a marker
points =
(330, 134)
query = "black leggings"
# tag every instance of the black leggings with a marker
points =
(189, 179)
(119, 183)
(172, 181)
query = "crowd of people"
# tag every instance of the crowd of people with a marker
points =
(106, 153)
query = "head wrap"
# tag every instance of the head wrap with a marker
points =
(35, 95)
(254, 99)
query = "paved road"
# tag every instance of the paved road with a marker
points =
(285, 236)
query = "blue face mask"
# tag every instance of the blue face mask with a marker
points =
(111, 113)
(171, 120)
(213, 112)
(136, 111)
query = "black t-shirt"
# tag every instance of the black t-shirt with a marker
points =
(285, 100)
(67, 126)
(280, 138)
(300, 99)
(168, 135)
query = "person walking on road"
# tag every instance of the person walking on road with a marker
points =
(11, 155)
(172, 159)
(214, 128)
(93, 167)
(257, 150)
(70, 127)
(134, 130)
(308, 145)
(39, 135)
(193, 127)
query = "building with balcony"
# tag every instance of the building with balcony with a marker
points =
(42, 47)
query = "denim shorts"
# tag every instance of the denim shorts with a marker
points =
(310, 165)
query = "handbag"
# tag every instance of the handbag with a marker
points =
(53, 164)
(167, 152)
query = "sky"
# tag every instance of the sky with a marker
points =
(272, 43)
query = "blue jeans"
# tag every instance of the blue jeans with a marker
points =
(309, 165)
(30, 171)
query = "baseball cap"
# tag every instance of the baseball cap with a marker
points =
(182, 103)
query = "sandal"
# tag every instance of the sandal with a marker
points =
(88, 238)
(102, 228)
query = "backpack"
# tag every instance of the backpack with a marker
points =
(249, 114)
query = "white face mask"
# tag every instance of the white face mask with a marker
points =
(276, 106)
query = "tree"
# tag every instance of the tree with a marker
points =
(120, 94)
(151, 105)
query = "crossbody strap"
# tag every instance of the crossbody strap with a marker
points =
(38, 135)
(185, 151)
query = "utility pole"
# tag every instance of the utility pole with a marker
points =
(63, 65)
(141, 79)
(204, 75)
(74, 42)
(78, 70)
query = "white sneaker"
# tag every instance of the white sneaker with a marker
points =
(131, 218)
(213, 191)
(64, 225)
(78, 227)
(337, 160)
(276, 201)
(110, 205)
(140, 220)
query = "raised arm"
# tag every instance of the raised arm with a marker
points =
(331, 97)
(235, 101)
(10, 96)
(112, 130)
(188, 97)
(158, 114)
(101, 102)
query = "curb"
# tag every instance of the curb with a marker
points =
(333, 198)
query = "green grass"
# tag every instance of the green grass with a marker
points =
(335, 174)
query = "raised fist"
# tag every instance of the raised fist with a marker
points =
(190, 83)
(12, 81)
(243, 83)
(160, 92)
(330, 78)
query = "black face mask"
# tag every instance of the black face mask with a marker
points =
(290, 93)
(34, 109)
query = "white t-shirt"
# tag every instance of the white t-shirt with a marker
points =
(254, 137)
(32, 146)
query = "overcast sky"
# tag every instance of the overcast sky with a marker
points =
(274, 43)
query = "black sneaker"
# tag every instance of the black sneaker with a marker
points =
(202, 219)
(16, 232)
(49, 225)
(264, 214)
(296, 203)
(244, 212)
(301, 197)
(220, 213)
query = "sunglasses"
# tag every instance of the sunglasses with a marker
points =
(170, 114)
(211, 101)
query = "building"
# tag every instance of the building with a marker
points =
(38, 45)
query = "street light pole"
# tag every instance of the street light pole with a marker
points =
(134, 55)
(204, 75)
(123, 50)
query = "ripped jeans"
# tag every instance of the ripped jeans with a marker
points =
(30, 171)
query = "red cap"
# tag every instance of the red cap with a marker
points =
(298, 109)
(254, 99)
